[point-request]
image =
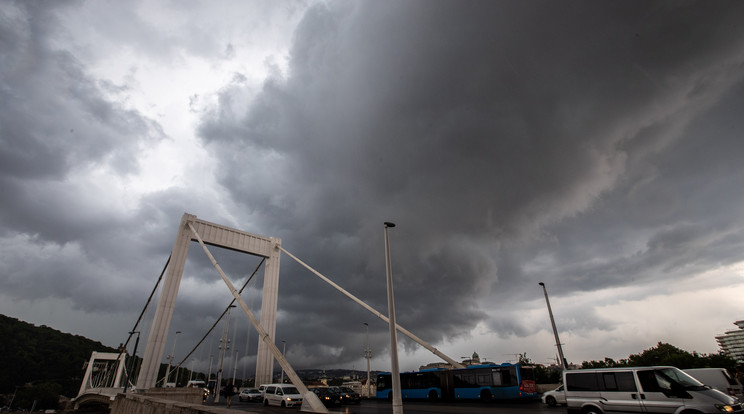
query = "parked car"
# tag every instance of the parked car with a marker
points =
(554, 397)
(326, 396)
(719, 379)
(347, 395)
(283, 395)
(250, 394)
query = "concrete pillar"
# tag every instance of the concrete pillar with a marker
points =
(264, 358)
(159, 331)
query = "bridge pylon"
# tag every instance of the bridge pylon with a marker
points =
(221, 236)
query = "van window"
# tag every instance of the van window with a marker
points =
(729, 379)
(291, 390)
(619, 381)
(582, 381)
(270, 390)
(649, 381)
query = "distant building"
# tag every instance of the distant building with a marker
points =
(732, 342)
(474, 360)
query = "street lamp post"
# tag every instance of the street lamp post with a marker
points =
(368, 356)
(564, 363)
(224, 346)
(395, 369)
(170, 359)
(284, 350)
(134, 358)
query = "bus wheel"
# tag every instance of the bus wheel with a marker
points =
(390, 396)
(433, 395)
(486, 396)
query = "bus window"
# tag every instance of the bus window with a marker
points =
(527, 373)
(496, 375)
(383, 382)
(508, 376)
(464, 380)
(483, 379)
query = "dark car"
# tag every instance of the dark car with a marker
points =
(347, 395)
(326, 396)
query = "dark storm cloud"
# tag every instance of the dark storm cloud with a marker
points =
(588, 145)
(57, 122)
(488, 132)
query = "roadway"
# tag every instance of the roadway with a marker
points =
(417, 407)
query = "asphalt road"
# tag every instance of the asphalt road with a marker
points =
(423, 407)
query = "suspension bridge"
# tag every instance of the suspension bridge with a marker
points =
(108, 376)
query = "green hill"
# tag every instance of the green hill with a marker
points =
(41, 358)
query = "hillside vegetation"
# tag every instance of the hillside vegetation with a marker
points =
(39, 358)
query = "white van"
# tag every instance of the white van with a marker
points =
(283, 395)
(642, 389)
(717, 378)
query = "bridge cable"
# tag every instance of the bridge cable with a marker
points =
(123, 348)
(263, 259)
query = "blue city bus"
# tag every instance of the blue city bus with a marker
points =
(485, 382)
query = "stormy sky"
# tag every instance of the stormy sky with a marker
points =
(594, 146)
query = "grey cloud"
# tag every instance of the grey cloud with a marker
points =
(588, 145)
(501, 123)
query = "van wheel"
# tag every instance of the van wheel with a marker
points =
(283, 404)
(266, 402)
(550, 401)
(486, 396)
(591, 410)
(433, 395)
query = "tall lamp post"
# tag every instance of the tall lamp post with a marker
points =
(134, 359)
(564, 363)
(224, 346)
(170, 360)
(284, 352)
(368, 356)
(395, 369)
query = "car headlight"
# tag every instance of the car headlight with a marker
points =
(724, 408)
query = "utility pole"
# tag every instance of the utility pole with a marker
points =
(564, 363)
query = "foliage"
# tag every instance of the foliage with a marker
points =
(42, 362)
(666, 354)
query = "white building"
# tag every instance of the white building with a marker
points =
(732, 342)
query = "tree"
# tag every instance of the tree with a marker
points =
(667, 354)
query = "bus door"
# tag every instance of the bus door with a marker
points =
(447, 385)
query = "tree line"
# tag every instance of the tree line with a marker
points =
(662, 354)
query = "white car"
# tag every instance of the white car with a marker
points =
(554, 397)
(283, 395)
(250, 394)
